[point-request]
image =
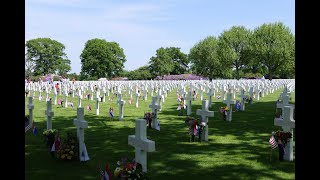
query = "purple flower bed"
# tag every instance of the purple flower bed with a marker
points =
(181, 77)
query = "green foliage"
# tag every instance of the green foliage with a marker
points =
(205, 61)
(142, 73)
(232, 48)
(101, 59)
(273, 46)
(168, 61)
(47, 56)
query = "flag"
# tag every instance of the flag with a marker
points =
(107, 174)
(35, 130)
(88, 107)
(130, 101)
(273, 142)
(111, 113)
(158, 126)
(101, 172)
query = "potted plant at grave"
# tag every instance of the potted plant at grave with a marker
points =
(282, 138)
(278, 114)
(127, 170)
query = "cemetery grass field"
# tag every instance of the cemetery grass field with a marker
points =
(236, 150)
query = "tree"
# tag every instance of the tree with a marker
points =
(142, 73)
(161, 64)
(29, 67)
(101, 59)
(232, 48)
(47, 55)
(273, 46)
(180, 60)
(204, 59)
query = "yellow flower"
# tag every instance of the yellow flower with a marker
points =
(117, 171)
(63, 156)
(72, 147)
(71, 152)
(67, 149)
(226, 108)
(69, 157)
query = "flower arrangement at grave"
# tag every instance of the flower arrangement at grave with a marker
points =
(278, 114)
(282, 138)
(196, 127)
(149, 117)
(69, 149)
(224, 111)
(49, 136)
(129, 170)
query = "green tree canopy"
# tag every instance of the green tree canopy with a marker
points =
(205, 62)
(47, 55)
(273, 46)
(161, 64)
(101, 59)
(233, 47)
(142, 73)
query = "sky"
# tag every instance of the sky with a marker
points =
(142, 26)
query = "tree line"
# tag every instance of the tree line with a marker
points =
(236, 53)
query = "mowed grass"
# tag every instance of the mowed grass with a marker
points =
(236, 150)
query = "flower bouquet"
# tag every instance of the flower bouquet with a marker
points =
(196, 128)
(69, 149)
(282, 138)
(129, 170)
(49, 137)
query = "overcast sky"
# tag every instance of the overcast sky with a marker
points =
(142, 26)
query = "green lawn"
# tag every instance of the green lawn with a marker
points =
(235, 150)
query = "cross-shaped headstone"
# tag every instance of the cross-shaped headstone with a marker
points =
(121, 103)
(243, 96)
(229, 103)
(137, 100)
(55, 95)
(189, 98)
(30, 107)
(79, 97)
(49, 113)
(287, 124)
(210, 94)
(141, 144)
(205, 113)
(80, 123)
(154, 106)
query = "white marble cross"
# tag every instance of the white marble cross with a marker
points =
(79, 97)
(49, 113)
(154, 106)
(287, 124)
(141, 144)
(229, 103)
(205, 113)
(137, 100)
(30, 107)
(210, 94)
(189, 98)
(65, 97)
(80, 123)
(98, 99)
(242, 96)
(285, 102)
(121, 103)
(55, 95)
